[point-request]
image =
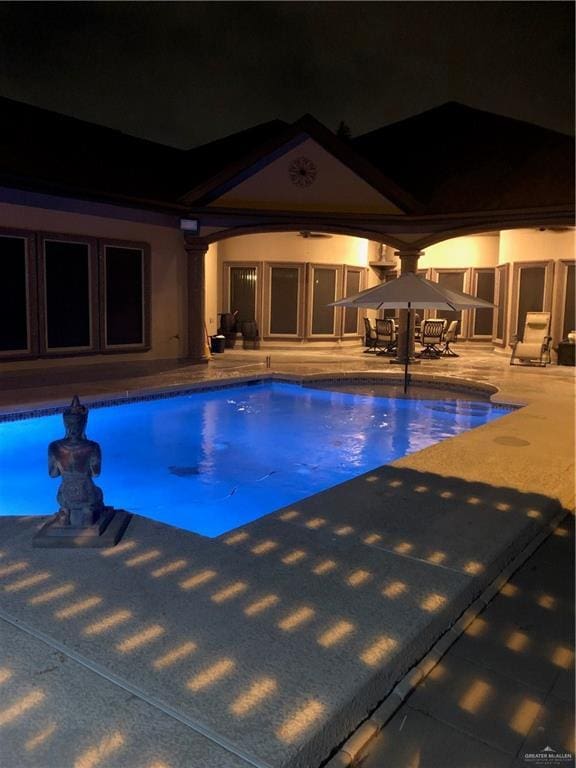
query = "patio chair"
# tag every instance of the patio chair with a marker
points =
(250, 334)
(369, 336)
(386, 338)
(431, 336)
(534, 348)
(450, 338)
(417, 326)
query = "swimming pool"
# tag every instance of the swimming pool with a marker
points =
(211, 461)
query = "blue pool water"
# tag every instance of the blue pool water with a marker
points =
(212, 461)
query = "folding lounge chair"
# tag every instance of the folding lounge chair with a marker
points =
(369, 336)
(450, 338)
(534, 348)
(431, 337)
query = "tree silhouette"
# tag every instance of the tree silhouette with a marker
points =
(343, 131)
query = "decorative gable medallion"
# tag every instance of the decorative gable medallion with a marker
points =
(302, 171)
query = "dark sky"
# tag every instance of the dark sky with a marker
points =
(187, 73)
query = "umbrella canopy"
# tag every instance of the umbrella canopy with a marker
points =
(410, 291)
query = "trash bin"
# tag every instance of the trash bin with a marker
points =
(217, 343)
(566, 353)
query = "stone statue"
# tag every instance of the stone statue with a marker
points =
(76, 460)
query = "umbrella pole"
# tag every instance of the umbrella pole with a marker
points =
(407, 350)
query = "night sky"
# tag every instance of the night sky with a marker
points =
(187, 73)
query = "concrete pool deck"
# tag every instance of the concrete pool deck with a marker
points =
(269, 646)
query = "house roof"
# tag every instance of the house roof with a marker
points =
(455, 158)
(208, 160)
(448, 159)
(45, 150)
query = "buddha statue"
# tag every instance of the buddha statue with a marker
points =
(76, 460)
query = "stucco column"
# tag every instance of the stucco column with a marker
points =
(408, 263)
(196, 249)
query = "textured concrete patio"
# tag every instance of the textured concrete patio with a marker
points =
(268, 646)
(505, 690)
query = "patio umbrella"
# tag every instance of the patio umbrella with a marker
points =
(410, 291)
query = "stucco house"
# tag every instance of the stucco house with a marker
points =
(116, 246)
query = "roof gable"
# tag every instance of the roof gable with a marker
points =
(342, 179)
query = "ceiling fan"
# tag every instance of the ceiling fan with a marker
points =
(307, 234)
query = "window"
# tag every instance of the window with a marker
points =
(569, 323)
(67, 297)
(323, 292)
(484, 280)
(531, 294)
(243, 292)
(389, 312)
(124, 279)
(501, 301)
(564, 300)
(454, 281)
(352, 287)
(532, 290)
(62, 295)
(17, 294)
(291, 300)
(284, 303)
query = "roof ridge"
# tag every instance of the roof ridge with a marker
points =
(453, 107)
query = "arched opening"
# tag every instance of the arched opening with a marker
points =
(285, 280)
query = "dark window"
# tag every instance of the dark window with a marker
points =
(243, 292)
(569, 309)
(391, 314)
(323, 293)
(483, 318)
(284, 300)
(502, 301)
(124, 297)
(67, 286)
(13, 295)
(351, 315)
(530, 295)
(453, 281)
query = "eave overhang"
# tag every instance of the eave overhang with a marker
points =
(426, 229)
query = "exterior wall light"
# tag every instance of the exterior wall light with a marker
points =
(190, 225)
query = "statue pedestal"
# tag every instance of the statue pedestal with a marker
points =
(105, 533)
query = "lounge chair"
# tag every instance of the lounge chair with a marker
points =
(534, 348)
(386, 339)
(450, 338)
(431, 336)
(369, 336)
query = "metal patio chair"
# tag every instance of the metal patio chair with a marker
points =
(450, 338)
(386, 337)
(431, 336)
(369, 336)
